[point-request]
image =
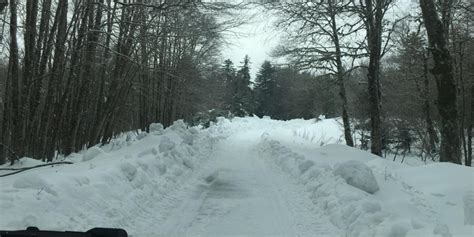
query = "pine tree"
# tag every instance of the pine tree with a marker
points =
(242, 96)
(413, 63)
(265, 90)
(228, 76)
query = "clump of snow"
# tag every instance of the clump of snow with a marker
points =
(190, 136)
(156, 128)
(398, 230)
(416, 224)
(357, 174)
(442, 229)
(305, 165)
(142, 135)
(35, 183)
(468, 201)
(179, 127)
(150, 151)
(128, 170)
(166, 144)
(92, 153)
(129, 137)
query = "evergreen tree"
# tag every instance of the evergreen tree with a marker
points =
(229, 70)
(229, 77)
(265, 90)
(242, 96)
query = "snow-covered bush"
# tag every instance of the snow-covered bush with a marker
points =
(357, 174)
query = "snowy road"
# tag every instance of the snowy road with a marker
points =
(242, 196)
(245, 177)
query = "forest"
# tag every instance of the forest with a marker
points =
(74, 74)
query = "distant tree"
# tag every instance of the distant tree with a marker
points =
(413, 67)
(242, 103)
(229, 75)
(266, 91)
(321, 39)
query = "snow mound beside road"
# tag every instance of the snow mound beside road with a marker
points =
(349, 208)
(358, 175)
(114, 185)
(406, 201)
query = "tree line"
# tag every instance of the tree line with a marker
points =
(75, 74)
(424, 55)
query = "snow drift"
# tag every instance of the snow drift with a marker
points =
(115, 186)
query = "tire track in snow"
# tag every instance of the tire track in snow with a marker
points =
(245, 198)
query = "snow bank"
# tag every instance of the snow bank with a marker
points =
(112, 186)
(405, 201)
(92, 153)
(349, 208)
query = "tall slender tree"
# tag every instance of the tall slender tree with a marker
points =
(437, 30)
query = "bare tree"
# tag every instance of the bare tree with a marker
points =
(322, 39)
(85, 62)
(443, 72)
(372, 12)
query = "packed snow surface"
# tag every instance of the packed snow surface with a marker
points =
(240, 177)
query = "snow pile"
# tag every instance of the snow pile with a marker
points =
(114, 186)
(349, 208)
(405, 201)
(358, 175)
(156, 128)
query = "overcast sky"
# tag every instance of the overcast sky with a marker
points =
(256, 38)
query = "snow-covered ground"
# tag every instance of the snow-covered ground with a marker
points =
(245, 177)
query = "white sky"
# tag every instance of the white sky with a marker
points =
(259, 37)
(256, 38)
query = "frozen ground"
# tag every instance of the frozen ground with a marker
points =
(246, 177)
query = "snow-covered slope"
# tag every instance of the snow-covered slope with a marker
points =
(248, 176)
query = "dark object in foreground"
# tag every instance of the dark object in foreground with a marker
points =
(95, 232)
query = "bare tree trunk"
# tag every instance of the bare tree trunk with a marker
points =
(447, 94)
(51, 112)
(340, 78)
(433, 137)
(29, 68)
(13, 75)
(468, 161)
(374, 29)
